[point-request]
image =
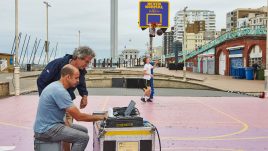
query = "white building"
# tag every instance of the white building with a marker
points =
(193, 41)
(194, 15)
(128, 54)
(157, 52)
(242, 22)
(258, 20)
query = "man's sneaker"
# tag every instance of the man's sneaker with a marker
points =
(143, 99)
(149, 100)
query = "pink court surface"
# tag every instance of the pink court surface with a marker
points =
(184, 123)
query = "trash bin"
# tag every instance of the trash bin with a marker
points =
(234, 73)
(241, 73)
(28, 67)
(249, 73)
(260, 74)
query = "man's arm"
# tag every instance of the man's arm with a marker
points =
(78, 116)
(82, 89)
(155, 64)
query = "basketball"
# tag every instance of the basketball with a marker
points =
(159, 32)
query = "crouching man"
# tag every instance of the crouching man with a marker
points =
(54, 102)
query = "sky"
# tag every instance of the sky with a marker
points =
(92, 18)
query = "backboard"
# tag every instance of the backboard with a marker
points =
(153, 11)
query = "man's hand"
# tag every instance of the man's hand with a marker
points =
(83, 102)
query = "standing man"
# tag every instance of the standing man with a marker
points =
(54, 101)
(80, 59)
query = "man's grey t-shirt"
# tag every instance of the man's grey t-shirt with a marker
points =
(51, 108)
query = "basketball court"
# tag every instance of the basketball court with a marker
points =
(184, 123)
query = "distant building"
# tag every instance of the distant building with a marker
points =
(193, 15)
(242, 23)
(196, 35)
(7, 59)
(157, 52)
(234, 18)
(168, 39)
(128, 54)
(196, 27)
(218, 34)
(193, 41)
(258, 20)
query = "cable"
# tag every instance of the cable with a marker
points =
(154, 127)
(102, 128)
(159, 141)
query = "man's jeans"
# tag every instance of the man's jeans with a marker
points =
(76, 134)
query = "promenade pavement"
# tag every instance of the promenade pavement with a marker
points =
(224, 83)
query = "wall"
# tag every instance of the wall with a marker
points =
(4, 89)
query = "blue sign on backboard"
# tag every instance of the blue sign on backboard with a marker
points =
(153, 11)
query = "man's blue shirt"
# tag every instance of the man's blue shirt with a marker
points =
(51, 73)
(51, 108)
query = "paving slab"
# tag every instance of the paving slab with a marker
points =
(184, 123)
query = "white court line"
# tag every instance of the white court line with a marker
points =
(7, 148)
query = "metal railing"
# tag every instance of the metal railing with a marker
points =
(242, 32)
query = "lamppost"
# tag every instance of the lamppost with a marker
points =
(184, 43)
(266, 64)
(46, 42)
(16, 67)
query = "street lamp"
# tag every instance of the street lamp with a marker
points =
(184, 43)
(46, 42)
(16, 67)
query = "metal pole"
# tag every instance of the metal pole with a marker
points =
(17, 68)
(184, 43)
(46, 45)
(114, 28)
(41, 54)
(26, 50)
(14, 51)
(36, 48)
(35, 43)
(22, 49)
(266, 64)
(151, 47)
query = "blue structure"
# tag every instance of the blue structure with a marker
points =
(249, 73)
(152, 82)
